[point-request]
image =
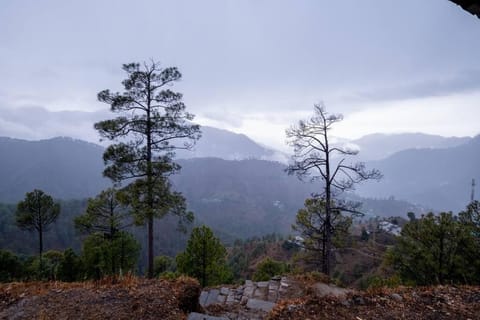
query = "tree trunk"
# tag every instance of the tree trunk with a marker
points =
(204, 262)
(328, 222)
(149, 183)
(150, 247)
(40, 230)
(40, 247)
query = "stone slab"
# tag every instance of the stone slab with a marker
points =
(248, 292)
(201, 316)
(224, 291)
(212, 297)
(203, 298)
(258, 304)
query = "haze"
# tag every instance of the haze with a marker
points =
(252, 67)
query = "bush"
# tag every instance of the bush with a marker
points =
(103, 257)
(10, 266)
(268, 268)
(162, 264)
(71, 267)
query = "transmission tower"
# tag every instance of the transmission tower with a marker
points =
(472, 195)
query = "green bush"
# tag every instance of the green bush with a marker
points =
(102, 257)
(10, 266)
(268, 268)
(71, 267)
(162, 264)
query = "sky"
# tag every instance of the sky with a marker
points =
(249, 66)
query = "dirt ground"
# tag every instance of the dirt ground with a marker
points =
(442, 302)
(131, 298)
(137, 298)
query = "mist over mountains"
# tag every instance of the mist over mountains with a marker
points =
(380, 146)
(437, 178)
(229, 177)
(227, 145)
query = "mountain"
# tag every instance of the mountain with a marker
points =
(380, 146)
(240, 198)
(438, 178)
(63, 167)
(228, 145)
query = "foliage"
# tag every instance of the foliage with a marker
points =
(10, 266)
(71, 267)
(310, 223)
(37, 212)
(204, 258)
(102, 257)
(315, 158)
(45, 268)
(162, 264)
(471, 218)
(151, 117)
(105, 214)
(436, 249)
(269, 268)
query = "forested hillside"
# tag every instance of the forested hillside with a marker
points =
(438, 178)
(63, 167)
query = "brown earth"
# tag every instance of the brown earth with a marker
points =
(442, 302)
(131, 298)
(137, 298)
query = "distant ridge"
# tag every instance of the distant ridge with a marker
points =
(379, 146)
(228, 145)
(438, 178)
(64, 167)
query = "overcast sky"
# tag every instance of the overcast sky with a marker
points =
(253, 67)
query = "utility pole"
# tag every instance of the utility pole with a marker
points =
(472, 195)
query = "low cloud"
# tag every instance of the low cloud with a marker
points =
(36, 122)
(468, 81)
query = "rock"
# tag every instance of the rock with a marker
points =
(396, 297)
(203, 298)
(221, 298)
(230, 298)
(201, 316)
(260, 305)
(212, 297)
(262, 284)
(248, 292)
(224, 291)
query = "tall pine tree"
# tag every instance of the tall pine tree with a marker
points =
(152, 122)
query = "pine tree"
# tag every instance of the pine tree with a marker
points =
(204, 258)
(36, 213)
(152, 122)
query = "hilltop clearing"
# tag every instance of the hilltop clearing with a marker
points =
(297, 298)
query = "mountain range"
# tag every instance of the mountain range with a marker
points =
(437, 178)
(243, 194)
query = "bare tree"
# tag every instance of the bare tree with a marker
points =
(319, 160)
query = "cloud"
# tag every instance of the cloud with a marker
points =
(453, 115)
(36, 122)
(442, 86)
